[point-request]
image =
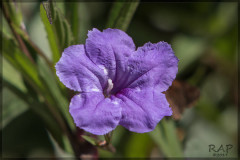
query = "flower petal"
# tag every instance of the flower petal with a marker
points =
(142, 109)
(76, 71)
(109, 49)
(151, 65)
(94, 113)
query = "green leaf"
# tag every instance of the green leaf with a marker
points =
(20, 61)
(52, 38)
(165, 137)
(31, 73)
(56, 95)
(91, 140)
(13, 10)
(72, 13)
(12, 75)
(84, 21)
(171, 137)
(58, 151)
(20, 34)
(159, 139)
(12, 106)
(58, 30)
(39, 108)
(121, 14)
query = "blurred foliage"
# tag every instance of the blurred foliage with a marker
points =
(35, 117)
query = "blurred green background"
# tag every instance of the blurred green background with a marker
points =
(204, 37)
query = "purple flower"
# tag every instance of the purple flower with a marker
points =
(118, 84)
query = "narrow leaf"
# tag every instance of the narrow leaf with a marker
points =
(56, 95)
(38, 108)
(31, 73)
(72, 13)
(20, 61)
(165, 137)
(14, 12)
(20, 34)
(46, 6)
(121, 14)
(172, 139)
(91, 140)
(58, 29)
(158, 138)
(52, 39)
(12, 107)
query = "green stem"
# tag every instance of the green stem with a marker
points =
(108, 137)
(22, 37)
(17, 36)
(108, 146)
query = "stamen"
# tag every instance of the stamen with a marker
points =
(110, 85)
(109, 88)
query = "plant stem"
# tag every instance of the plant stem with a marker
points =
(108, 146)
(25, 37)
(17, 36)
(108, 137)
(54, 112)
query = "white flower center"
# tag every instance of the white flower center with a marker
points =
(109, 88)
